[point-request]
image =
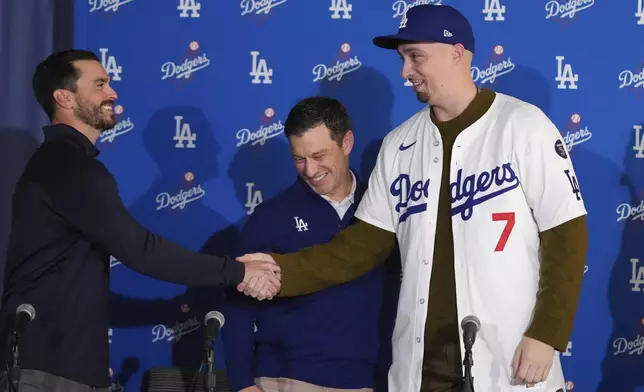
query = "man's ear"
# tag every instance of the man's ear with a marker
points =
(458, 53)
(64, 99)
(347, 142)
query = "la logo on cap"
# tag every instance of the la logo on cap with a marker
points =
(403, 22)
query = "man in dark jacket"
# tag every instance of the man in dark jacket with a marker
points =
(67, 221)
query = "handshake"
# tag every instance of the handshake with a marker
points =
(262, 279)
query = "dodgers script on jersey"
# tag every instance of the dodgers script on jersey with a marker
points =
(510, 178)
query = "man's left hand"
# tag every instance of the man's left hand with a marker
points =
(532, 361)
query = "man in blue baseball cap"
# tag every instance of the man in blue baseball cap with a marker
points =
(436, 44)
(481, 194)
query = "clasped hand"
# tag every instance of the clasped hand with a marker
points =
(262, 279)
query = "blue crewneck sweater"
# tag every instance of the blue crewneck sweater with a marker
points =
(329, 338)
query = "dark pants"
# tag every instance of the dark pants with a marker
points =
(37, 381)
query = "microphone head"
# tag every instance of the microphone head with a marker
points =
(27, 308)
(213, 314)
(471, 319)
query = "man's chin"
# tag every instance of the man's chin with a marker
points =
(107, 125)
(320, 189)
(422, 97)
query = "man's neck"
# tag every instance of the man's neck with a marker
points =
(345, 190)
(89, 132)
(454, 104)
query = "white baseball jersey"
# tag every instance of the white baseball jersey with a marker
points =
(510, 178)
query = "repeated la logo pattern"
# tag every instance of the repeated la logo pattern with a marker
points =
(244, 63)
(494, 11)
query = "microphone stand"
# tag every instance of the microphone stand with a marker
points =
(13, 370)
(211, 378)
(468, 362)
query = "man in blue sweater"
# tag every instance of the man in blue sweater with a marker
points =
(329, 340)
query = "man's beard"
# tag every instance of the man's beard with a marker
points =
(94, 116)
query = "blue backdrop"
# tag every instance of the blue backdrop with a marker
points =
(205, 86)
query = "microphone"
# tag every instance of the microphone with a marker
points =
(214, 321)
(24, 314)
(470, 325)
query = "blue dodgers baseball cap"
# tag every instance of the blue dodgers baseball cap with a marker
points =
(431, 23)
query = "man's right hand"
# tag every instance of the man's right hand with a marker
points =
(254, 388)
(263, 277)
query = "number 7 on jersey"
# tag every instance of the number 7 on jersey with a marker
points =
(508, 217)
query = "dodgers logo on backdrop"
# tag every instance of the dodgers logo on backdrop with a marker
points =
(259, 69)
(259, 6)
(400, 7)
(494, 11)
(340, 6)
(566, 78)
(186, 67)
(624, 346)
(265, 132)
(107, 5)
(497, 67)
(634, 212)
(568, 9)
(410, 195)
(634, 79)
(253, 198)
(575, 134)
(638, 145)
(189, 8)
(110, 65)
(179, 199)
(339, 69)
(473, 188)
(637, 277)
(640, 12)
(176, 332)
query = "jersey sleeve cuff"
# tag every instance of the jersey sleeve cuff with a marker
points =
(374, 222)
(554, 223)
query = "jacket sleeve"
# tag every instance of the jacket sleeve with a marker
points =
(238, 332)
(351, 253)
(89, 201)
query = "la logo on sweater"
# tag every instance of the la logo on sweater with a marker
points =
(300, 225)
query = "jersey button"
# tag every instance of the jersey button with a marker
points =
(422, 301)
(436, 160)
(425, 261)
(436, 143)
(417, 340)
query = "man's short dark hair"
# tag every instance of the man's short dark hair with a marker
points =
(57, 72)
(314, 111)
